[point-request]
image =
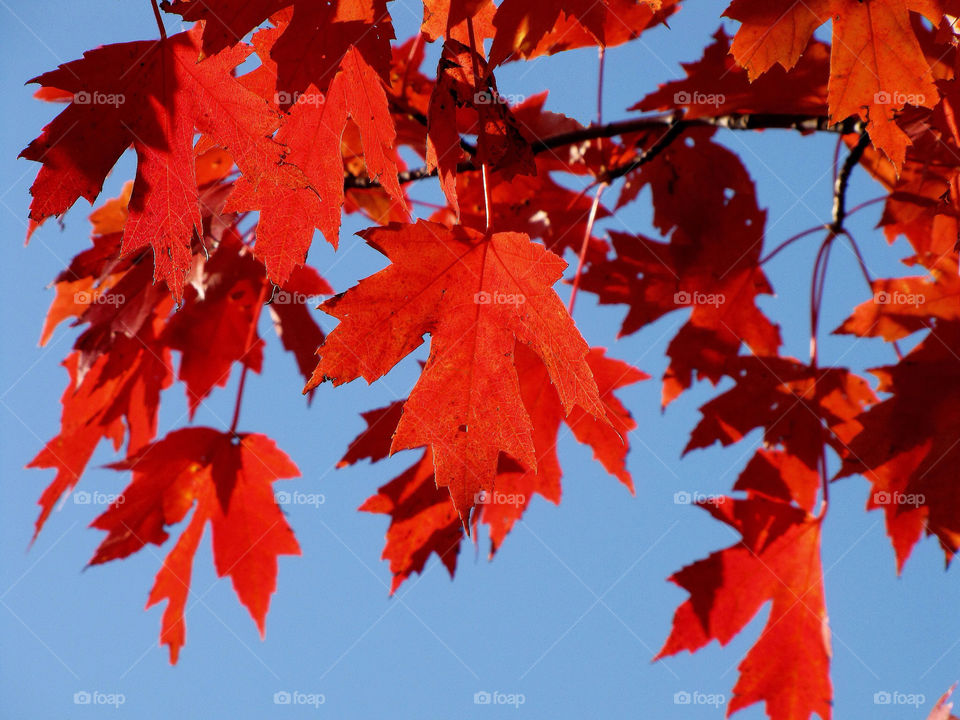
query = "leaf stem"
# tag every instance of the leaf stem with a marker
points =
(251, 333)
(601, 53)
(476, 89)
(159, 19)
(817, 284)
(583, 246)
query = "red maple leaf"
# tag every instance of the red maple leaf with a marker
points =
(715, 85)
(876, 65)
(465, 99)
(476, 295)
(711, 263)
(229, 478)
(908, 447)
(777, 561)
(153, 95)
(522, 25)
(292, 204)
(423, 519)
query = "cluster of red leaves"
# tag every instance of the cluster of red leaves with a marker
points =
(316, 128)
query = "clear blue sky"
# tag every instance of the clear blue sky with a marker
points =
(574, 607)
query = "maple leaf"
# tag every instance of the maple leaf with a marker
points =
(625, 20)
(711, 263)
(476, 295)
(515, 485)
(941, 711)
(313, 36)
(93, 271)
(800, 408)
(296, 328)
(465, 84)
(777, 561)
(450, 18)
(536, 205)
(153, 95)
(292, 204)
(212, 329)
(908, 447)
(229, 479)
(715, 85)
(876, 66)
(522, 25)
(120, 388)
(423, 519)
(901, 306)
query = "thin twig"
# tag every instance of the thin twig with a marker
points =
(869, 279)
(843, 179)
(671, 134)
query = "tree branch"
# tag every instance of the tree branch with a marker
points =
(843, 178)
(673, 128)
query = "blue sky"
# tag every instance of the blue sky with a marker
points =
(575, 605)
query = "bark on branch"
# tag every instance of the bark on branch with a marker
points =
(671, 128)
